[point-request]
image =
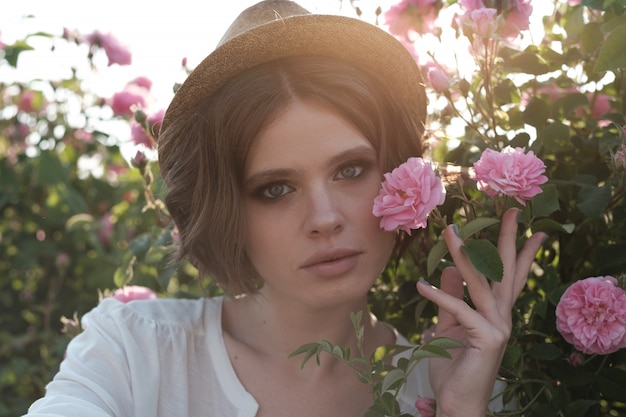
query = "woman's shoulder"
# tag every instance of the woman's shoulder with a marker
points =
(167, 312)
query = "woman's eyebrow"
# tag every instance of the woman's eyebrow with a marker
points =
(358, 152)
(268, 175)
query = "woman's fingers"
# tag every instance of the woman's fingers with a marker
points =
(525, 258)
(477, 285)
(508, 254)
(451, 284)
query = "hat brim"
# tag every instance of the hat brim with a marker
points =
(348, 39)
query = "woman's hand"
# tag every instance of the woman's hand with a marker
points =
(463, 385)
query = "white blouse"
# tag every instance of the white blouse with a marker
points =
(162, 357)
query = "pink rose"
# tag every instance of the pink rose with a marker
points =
(116, 52)
(591, 315)
(510, 172)
(133, 292)
(409, 193)
(426, 406)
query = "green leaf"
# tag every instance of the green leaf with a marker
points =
(555, 137)
(566, 105)
(485, 258)
(544, 352)
(392, 378)
(12, 52)
(536, 112)
(512, 355)
(614, 23)
(578, 408)
(119, 277)
(527, 62)
(612, 54)
(308, 350)
(440, 249)
(546, 202)
(592, 37)
(445, 343)
(422, 352)
(592, 201)
(550, 226)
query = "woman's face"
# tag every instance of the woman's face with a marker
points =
(309, 184)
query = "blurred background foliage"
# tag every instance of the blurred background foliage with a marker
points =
(81, 211)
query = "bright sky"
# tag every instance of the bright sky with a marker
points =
(158, 33)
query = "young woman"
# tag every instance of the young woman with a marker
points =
(273, 151)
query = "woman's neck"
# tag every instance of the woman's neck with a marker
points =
(276, 327)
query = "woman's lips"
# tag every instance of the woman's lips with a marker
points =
(330, 263)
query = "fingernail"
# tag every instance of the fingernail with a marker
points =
(423, 281)
(544, 239)
(519, 215)
(455, 228)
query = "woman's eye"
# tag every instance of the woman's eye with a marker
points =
(275, 191)
(349, 172)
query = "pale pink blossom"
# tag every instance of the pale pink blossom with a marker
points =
(600, 104)
(484, 23)
(105, 229)
(438, 79)
(510, 172)
(408, 194)
(515, 15)
(154, 122)
(115, 51)
(517, 18)
(426, 406)
(62, 261)
(142, 81)
(576, 359)
(139, 136)
(619, 158)
(139, 160)
(133, 292)
(411, 16)
(573, 2)
(31, 101)
(591, 315)
(124, 101)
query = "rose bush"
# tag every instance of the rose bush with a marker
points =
(82, 211)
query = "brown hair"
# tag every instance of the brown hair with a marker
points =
(202, 155)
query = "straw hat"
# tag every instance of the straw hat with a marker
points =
(273, 29)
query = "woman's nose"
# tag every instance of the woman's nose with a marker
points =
(324, 214)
